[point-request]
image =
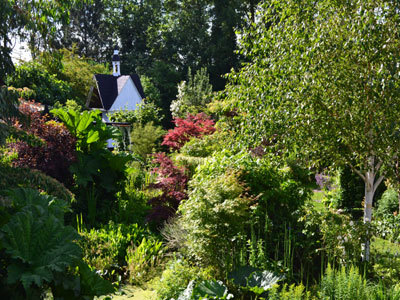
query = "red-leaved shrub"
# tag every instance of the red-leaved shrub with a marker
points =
(57, 151)
(172, 181)
(185, 129)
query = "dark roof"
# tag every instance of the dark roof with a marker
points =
(136, 81)
(115, 57)
(109, 87)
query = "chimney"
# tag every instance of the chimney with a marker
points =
(116, 63)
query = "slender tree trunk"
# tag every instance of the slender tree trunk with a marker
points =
(371, 184)
(369, 196)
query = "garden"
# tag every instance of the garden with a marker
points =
(279, 180)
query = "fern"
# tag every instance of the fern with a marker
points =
(345, 284)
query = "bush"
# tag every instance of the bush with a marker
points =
(193, 96)
(233, 198)
(48, 89)
(389, 203)
(54, 156)
(185, 129)
(142, 259)
(145, 139)
(105, 249)
(172, 182)
(345, 284)
(41, 252)
(176, 277)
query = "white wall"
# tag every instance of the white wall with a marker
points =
(128, 98)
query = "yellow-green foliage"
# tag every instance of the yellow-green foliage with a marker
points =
(145, 139)
(214, 217)
(289, 292)
(143, 258)
(344, 284)
(176, 277)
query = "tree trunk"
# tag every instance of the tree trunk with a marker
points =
(369, 196)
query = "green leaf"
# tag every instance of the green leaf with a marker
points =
(240, 275)
(210, 288)
(261, 281)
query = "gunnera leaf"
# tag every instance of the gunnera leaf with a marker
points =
(261, 281)
(91, 283)
(39, 246)
(210, 288)
(240, 275)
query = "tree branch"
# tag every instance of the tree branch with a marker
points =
(358, 172)
(378, 182)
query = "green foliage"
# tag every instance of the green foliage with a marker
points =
(344, 284)
(144, 113)
(176, 277)
(48, 89)
(228, 195)
(385, 262)
(341, 237)
(21, 177)
(387, 227)
(143, 258)
(93, 162)
(214, 217)
(42, 251)
(78, 72)
(151, 91)
(105, 249)
(289, 292)
(145, 139)
(193, 96)
(389, 203)
(210, 289)
(8, 112)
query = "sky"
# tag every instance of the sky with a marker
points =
(20, 51)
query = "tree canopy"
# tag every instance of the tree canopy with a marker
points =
(323, 80)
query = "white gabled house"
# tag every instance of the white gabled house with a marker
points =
(115, 92)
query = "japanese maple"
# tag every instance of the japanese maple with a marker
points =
(185, 129)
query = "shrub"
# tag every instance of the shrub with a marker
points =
(214, 217)
(233, 198)
(193, 96)
(389, 203)
(54, 156)
(42, 252)
(11, 177)
(185, 129)
(289, 292)
(145, 139)
(48, 89)
(105, 249)
(142, 259)
(172, 182)
(176, 277)
(344, 284)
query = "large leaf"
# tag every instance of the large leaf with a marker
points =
(261, 281)
(31, 200)
(210, 289)
(39, 246)
(92, 284)
(240, 275)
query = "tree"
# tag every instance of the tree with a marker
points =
(36, 19)
(323, 79)
(192, 95)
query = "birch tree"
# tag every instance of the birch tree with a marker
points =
(323, 79)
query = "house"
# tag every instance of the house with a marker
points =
(115, 92)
